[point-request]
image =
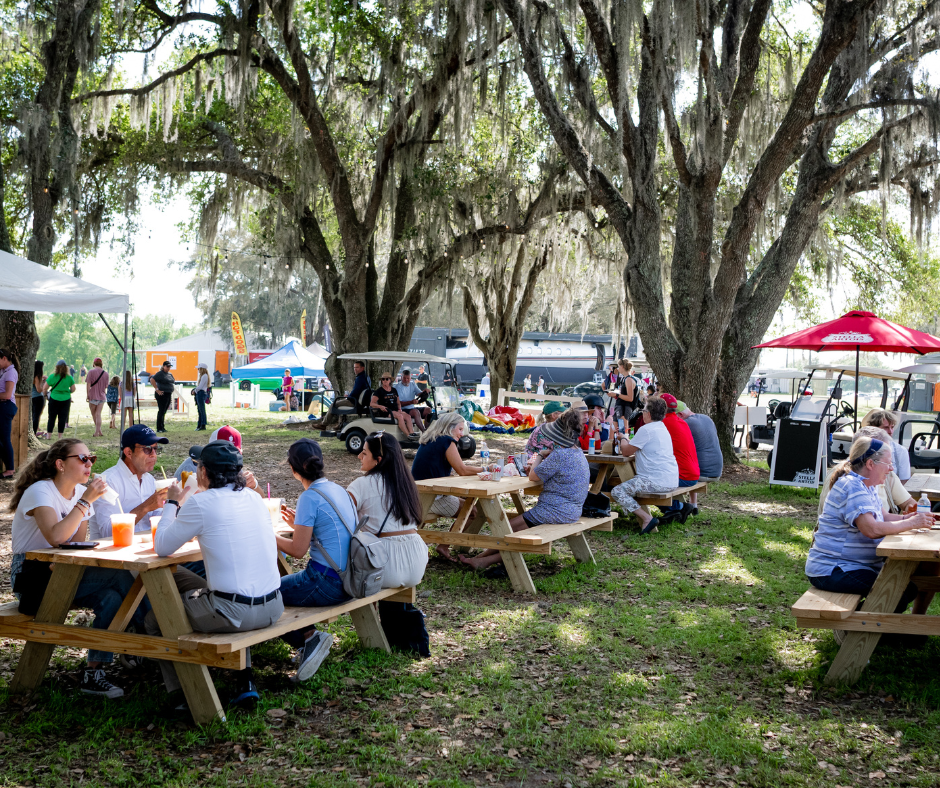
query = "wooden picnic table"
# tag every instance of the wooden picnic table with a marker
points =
(903, 552)
(921, 483)
(485, 496)
(48, 629)
(625, 467)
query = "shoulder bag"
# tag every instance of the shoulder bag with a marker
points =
(367, 556)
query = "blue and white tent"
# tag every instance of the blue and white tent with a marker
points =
(293, 356)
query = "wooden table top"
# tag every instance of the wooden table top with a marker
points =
(474, 487)
(924, 483)
(139, 556)
(911, 546)
(609, 459)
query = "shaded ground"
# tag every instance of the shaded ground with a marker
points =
(672, 662)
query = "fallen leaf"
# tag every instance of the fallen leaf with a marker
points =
(277, 713)
(879, 775)
(513, 753)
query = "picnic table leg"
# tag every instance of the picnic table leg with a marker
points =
(463, 515)
(603, 471)
(580, 548)
(369, 627)
(34, 661)
(168, 607)
(518, 502)
(514, 562)
(857, 647)
(427, 501)
(128, 607)
(283, 566)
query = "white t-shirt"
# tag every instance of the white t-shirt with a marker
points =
(235, 536)
(132, 492)
(26, 533)
(654, 458)
(369, 492)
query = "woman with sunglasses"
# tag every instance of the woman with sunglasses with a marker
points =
(385, 400)
(843, 557)
(52, 500)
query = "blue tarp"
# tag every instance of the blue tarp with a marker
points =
(293, 356)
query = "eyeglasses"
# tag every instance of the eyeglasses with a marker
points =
(889, 463)
(85, 458)
(148, 450)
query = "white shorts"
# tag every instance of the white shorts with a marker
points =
(407, 559)
(445, 506)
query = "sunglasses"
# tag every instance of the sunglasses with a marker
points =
(386, 378)
(85, 458)
(148, 450)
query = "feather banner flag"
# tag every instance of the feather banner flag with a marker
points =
(303, 327)
(238, 336)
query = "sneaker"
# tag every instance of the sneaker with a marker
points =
(95, 682)
(315, 649)
(246, 696)
(130, 662)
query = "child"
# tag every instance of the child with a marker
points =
(127, 398)
(111, 397)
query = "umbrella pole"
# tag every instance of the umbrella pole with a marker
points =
(855, 423)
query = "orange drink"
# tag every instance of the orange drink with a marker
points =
(153, 534)
(122, 529)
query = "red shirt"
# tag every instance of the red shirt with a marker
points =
(683, 446)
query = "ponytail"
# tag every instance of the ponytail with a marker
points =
(41, 467)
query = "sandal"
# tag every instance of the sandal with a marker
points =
(497, 572)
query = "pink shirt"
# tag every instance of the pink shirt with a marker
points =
(96, 384)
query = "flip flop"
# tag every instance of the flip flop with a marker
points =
(650, 525)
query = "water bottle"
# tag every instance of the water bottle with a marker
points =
(485, 454)
(923, 505)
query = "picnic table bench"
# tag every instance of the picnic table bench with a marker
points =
(864, 626)
(511, 544)
(626, 469)
(193, 652)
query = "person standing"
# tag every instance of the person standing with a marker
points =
(628, 400)
(83, 373)
(8, 381)
(423, 379)
(541, 388)
(126, 393)
(37, 400)
(112, 396)
(131, 479)
(164, 385)
(287, 388)
(59, 388)
(96, 389)
(527, 384)
(72, 371)
(200, 394)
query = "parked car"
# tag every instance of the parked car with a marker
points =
(583, 389)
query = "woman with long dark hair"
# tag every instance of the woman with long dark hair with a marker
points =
(323, 525)
(37, 399)
(52, 501)
(388, 497)
(8, 381)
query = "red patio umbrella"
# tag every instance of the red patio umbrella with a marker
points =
(856, 330)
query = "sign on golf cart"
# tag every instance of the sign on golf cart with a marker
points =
(799, 453)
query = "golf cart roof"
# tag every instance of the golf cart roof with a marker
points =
(920, 369)
(781, 374)
(394, 355)
(865, 372)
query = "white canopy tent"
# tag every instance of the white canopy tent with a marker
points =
(26, 286)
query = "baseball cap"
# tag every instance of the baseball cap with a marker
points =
(61, 361)
(140, 434)
(217, 455)
(202, 365)
(681, 407)
(97, 362)
(671, 401)
(553, 407)
(229, 434)
(167, 363)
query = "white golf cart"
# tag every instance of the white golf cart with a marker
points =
(358, 420)
(769, 381)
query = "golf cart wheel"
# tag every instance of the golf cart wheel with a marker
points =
(245, 385)
(354, 441)
(752, 444)
(552, 392)
(466, 447)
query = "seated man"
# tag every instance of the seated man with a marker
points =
(411, 396)
(683, 446)
(233, 528)
(131, 479)
(656, 467)
(224, 433)
(711, 463)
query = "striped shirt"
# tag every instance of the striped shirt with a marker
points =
(838, 542)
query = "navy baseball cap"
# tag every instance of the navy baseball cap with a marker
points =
(140, 434)
(217, 455)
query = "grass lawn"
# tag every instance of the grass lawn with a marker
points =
(672, 662)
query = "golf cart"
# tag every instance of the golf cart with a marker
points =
(776, 408)
(922, 447)
(359, 420)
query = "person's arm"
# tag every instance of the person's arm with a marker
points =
(536, 461)
(375, 404)
(456, 462)
(8, 389)
(873, 528)
(75, 523)
(179, 523)
(627, 449)
(72, 389)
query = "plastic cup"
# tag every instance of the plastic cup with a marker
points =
(153, 534)
(164, 484)
(122, 529)
(274, 511)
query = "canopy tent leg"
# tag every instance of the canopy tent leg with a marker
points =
(123, 379)
(855, 420)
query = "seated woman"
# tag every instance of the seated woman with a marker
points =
(563, 472)
(899, 455)
(388, 497)
(385, 400)
(843, 555)
(52, 501)
(437, 457)
(323, 525)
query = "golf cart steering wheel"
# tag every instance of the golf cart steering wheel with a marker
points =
(846, 410)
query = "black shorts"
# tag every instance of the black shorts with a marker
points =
(528, 522)
(113, 407)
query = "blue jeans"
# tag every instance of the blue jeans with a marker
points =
(201, 408)
(310, 588)
(7, 412)
(676, 506)
(103, 590)
(859, 581)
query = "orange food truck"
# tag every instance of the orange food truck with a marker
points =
(186, 352)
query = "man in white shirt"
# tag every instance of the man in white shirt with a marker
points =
(131, 479)
(656, 467)
(241, 591)
(410, 395)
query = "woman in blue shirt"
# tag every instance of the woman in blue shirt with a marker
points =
(325, 514)
(843, 556)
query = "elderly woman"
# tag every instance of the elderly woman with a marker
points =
(563, 472)
(385, 400)
(843, 556)
(887, 421)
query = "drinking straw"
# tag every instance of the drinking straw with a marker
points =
(163, 471)
(269, 491)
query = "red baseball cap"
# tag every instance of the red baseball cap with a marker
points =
(671, 402)
(229, 434)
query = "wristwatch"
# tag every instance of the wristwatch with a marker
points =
(176, 502)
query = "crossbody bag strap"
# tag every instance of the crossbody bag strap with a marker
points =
(317, 543)
(56, 384)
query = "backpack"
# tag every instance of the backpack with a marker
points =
(638, 398)
(362, 576)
